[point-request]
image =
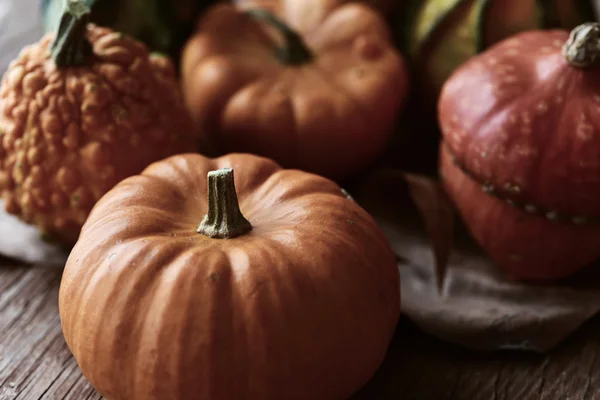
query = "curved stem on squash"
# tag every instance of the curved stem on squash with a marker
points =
(293, 51)
(224, 219)
(71, 47)
(582, 49)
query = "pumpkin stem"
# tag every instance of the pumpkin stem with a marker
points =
(582, 49)
(293, 51)
(71, 47)
(224, 220)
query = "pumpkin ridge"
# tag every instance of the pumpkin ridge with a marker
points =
(174, 167)
(375, 27)
(286, 290)
(332, 80)
(192, 259)
(298, 192)
(266, 167)
(83, 290)
(257, 89)
(148, 277)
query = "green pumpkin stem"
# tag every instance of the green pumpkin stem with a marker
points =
(224, 219)
(71, 47)
(582, 49)
(293, 51)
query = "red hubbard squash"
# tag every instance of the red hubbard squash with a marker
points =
(286, 290)
(317, 89)
(521, 145)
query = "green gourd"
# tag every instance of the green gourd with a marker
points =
(439, 35)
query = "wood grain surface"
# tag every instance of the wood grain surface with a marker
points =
(36, 364)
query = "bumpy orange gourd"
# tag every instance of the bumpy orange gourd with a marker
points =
(300, 301)
(78, 114)
(315, 88)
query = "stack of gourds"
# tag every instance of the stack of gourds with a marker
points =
(122, 128)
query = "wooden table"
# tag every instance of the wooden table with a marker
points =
(36, 364)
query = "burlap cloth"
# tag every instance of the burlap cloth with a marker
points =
(477, 307)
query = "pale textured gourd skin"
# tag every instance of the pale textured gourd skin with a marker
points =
(332, 114)
(70, 134)
(301, 307)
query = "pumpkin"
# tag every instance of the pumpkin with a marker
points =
(384, 6)
(521, 138)
(440, 35)
(188, 282)
(80, 111)
(163, 25)
(320, 93)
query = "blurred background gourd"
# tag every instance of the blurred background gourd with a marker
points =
(440, 35)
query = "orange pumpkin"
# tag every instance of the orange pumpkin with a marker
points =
(320, 91)
(521, 129)
(384, 6)
(286, 290)
(79, 111)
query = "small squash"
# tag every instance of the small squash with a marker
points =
(521, 145)
(440, 35)
(79, 111)
(190, 283)
(320, 94)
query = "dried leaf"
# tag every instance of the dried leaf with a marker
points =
(480, 308)
(438, 216)
(435, 210)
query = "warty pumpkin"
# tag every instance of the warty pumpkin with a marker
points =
(440, 35)
(521, 139)
(190, 283)
(79, 111)
(316, 89)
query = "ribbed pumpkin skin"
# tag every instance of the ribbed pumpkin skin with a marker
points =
(301, 307)
(343, 100)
